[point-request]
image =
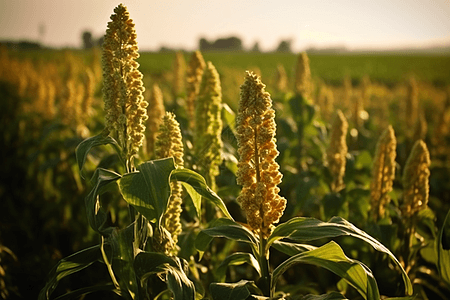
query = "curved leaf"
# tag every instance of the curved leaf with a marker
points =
(331, 257)
(224, 228)
(85, 146)
(231, 291)
(148, 263)
(199, 184)
(69, 265)
(97, 217)
(329, 296)
(443, 250)
(292, 249)
(236, 259)
(76, 294)
(148, 190)
(308, 229)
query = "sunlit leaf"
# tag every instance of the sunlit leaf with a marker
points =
(236, 259)
(69, 265)
(231, 291)
(443, 249)
(85, 146)
(308, 229)
(331, 257)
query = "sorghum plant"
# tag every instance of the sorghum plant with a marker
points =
(337, 152)
(383, 173)
(259, 199)
(193, 79)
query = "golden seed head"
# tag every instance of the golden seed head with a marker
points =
(179, 69)
(383, 173)
(193, 78)
(415, 180)
(281, 78)
(155, 111)
(169, 144)
(412, 103)
(122, 81)
(303, 76)
(337, 151)
(208, 125)
(258, 172)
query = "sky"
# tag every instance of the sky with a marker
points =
(355, 24)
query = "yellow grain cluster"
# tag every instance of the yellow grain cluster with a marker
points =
(337, 151)
(208, 125)
(303, 76)
(179, 70)
(193, 78)
(258, 172)
(281, 79)
(383, 173)
(155, 111)
(415, 180)
(169, 144)
(122, 83)
(412, 103)
(325, 101)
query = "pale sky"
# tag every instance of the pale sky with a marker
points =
(355, 24)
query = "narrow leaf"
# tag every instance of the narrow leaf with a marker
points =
(148, 263)
(85, 146)
(230, 291)
(199, 184)
(97, 217)
(331, 257)
(444, 250)
(224, 228)
(329, 296)
(76, 294)
(69, 265)
(292, 249)
(308, 229)
(236, 259)
(195, 197)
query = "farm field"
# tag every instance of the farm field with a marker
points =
(313, 176)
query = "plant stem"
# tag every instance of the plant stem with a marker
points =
(108, 264)
(265, 280)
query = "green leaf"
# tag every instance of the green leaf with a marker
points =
(76, 294)
(236, 259)
(308, 229)
(97, 217)
(195, 197)
(443, 250)
(230, 291)
(329, 296)
(224, 228)
(69, 265)
(292, 249)
(331, 257)
(148, 263)
(148, 190)
(229, 116)
(123, 261)
(85, 146)
(199, 184)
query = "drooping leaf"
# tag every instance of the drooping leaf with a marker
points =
(123, 261)
(85, 146)
(331, 257)
(443, 249)
(231, 291)
(195, 197)
(148, 263)
(97, 217)
(236, 259)
(224, 228)
(199, 184)
(292, 249)
(308, 229)
(76, 294)
(148, 190)
(329, 296)
(229, 116)
(69, 265)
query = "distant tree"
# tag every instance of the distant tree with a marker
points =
(88, 42)
(221, 44)
(255, 47)
(204, 45)
(99, 41)
(284, 46)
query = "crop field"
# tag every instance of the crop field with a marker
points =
(223, 175)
